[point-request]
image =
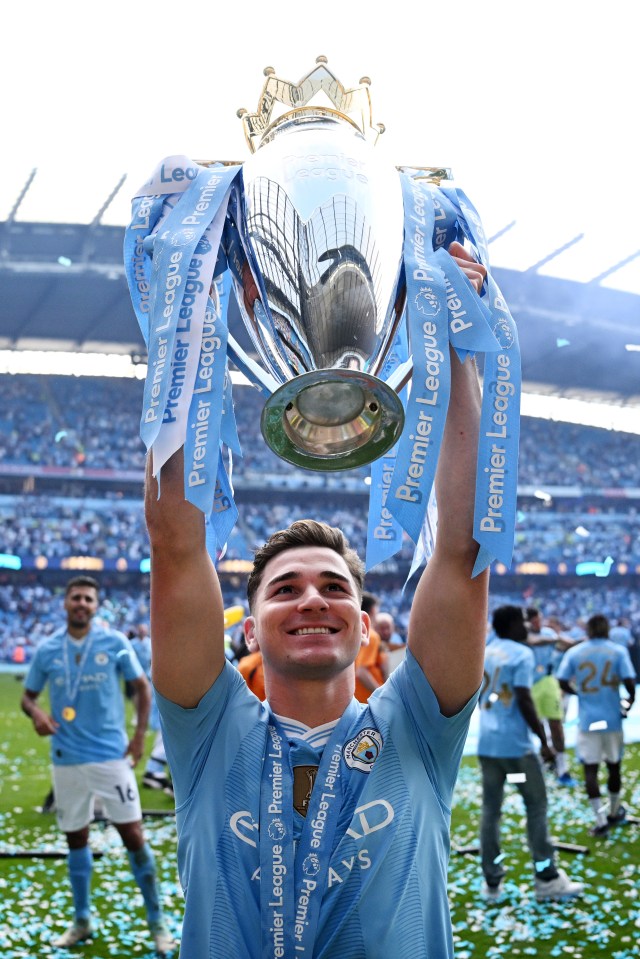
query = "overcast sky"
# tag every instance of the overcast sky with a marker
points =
(533, 106)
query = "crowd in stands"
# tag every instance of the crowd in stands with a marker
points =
(93, 422)
(29, 612)
(71, 422)
(59, 527)
(564, 454)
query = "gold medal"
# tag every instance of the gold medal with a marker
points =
(69, 713)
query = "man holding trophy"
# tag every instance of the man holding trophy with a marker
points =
(312, 825)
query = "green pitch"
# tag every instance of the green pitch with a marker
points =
(35, 899)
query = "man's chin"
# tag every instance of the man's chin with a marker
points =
(320, 668)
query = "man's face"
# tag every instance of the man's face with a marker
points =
(307, 620)
(81, 605)
(535, 624)
(384, 626)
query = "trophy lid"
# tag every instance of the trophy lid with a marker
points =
(352, 106)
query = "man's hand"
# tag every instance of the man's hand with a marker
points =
(548, 754)
(43, 724)
(135, 749)
(473, 270)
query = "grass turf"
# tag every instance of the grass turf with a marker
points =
(35, 899)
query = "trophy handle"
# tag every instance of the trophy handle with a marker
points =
(401, 375)
(266, 383)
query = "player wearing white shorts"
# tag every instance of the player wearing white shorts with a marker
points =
(593, 671)
(83, 666)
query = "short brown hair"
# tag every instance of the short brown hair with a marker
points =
(598, 627)
(82, 581)
(305, 532)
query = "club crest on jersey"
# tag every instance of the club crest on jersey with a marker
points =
(362, 751)
(101, 659)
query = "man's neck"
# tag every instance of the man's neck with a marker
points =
(78, 632)
(310, 701)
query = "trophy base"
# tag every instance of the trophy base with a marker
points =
(332, 420)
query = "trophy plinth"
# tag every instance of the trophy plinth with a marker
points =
(332, 420)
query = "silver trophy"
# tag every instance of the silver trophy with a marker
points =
(320, 224)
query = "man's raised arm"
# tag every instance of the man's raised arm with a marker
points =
(448, 620)
(187, 609)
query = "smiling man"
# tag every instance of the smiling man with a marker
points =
(297, 817)
(84, 665)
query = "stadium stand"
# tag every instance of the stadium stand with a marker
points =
(71, 499)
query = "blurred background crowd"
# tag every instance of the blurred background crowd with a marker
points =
(71, 481)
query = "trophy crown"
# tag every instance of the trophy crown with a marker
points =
(352, 105)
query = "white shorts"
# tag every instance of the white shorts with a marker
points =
(76, 788)
(594, 748)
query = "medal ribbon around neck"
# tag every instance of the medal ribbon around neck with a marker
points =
(71, 688)
(292, 882)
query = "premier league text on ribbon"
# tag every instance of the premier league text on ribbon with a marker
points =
(386, 529)
(410, 489)
(503, 390)
(211, 344)
(425, 393)
(278, 867)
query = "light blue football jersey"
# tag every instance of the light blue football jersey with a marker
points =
(596, 668)
(503, 730)
(92, 687)
(386, 892)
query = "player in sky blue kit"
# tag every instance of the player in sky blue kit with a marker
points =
(364, 791)
(505, 751)
(84, 665)
(593, 671)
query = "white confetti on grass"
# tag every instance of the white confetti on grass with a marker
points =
(601, 922)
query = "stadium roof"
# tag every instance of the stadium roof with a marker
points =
(63, 287)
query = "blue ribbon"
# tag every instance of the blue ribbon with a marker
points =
(145, 213)
(202, 441)
(443, 307)
(292, 883)
(384, 533)
(427, 316)
(172, 253)
(178, 218)
(497, 464)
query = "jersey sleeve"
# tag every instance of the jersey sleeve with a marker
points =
(127, 663)
(565, 669)
(210, 732)
(36, 678)
(440, 739)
